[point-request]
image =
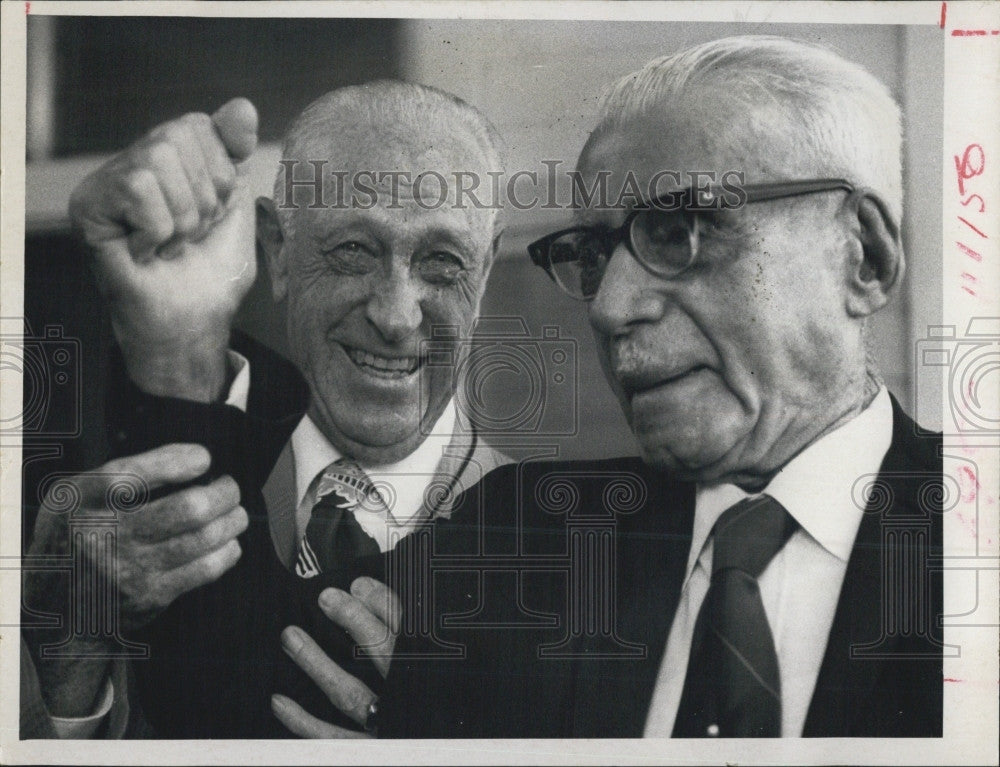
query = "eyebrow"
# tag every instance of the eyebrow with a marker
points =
(461, 241)
(354, 220)
(598, 216)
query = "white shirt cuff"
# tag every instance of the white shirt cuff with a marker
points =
(81, 727)
(239, 391)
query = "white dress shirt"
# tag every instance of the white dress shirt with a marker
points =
(801, 585)
(402, 484)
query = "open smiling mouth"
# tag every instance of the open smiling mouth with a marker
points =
(383, 367)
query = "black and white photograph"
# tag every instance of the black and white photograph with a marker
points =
(467, 382)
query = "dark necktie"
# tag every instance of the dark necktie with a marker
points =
(333, 538)
(732, 688)
(334, 551)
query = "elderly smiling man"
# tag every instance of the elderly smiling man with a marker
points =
(268, 482)
(745, 587)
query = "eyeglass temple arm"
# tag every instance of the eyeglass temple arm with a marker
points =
(781, 189)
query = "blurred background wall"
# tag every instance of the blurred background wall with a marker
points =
(97, 83)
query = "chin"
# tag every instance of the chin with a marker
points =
(378, 455)
(386, 436)
(697, 440)
(702, 457)
(663, 459)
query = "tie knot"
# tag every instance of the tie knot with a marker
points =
(749, 534)
(345, 485)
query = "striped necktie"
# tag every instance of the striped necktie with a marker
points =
(333, 539)
(733, 688)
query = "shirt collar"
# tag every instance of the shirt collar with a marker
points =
(817, 486)
(312, 452)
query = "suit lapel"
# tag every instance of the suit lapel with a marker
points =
(464, 462)
(843, 700)
(612, 696)
(279, 499)
(843, 685)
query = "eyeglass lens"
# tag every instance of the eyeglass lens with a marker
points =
(661, 240)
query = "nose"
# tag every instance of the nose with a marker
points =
(394, 306)
(624, 296)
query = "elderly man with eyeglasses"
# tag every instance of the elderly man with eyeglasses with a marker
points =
(764, 569)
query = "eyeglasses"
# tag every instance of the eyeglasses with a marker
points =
(661, 235)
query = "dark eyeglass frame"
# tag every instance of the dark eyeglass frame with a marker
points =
(692, 199)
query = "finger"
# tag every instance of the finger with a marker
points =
(138, 201)
(218, 163)
(166, 465)
(164, 159)
(236, 122)
(380, 599)
(183, 136)
(346, 692)
(206, 569)
(187, 510)
(304, 724)
(176, 551)
(368, 632)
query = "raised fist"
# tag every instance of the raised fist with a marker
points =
(171, 225)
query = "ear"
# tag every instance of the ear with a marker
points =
(876, 268)
(272, 242)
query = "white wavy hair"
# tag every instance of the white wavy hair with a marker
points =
(838, 114)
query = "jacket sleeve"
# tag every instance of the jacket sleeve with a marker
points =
(137, 422)
(36, 721)
(243, 442)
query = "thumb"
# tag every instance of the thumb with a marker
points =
(236, 123)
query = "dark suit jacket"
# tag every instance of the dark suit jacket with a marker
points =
(554, 588)
(214, 655)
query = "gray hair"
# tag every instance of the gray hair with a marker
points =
(838, 114)
(405, 108)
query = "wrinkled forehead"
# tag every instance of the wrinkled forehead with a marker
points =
(409, 150)
(405, 173)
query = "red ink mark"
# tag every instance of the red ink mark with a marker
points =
(969, 252)
(950, 679)
(974, 32)
(966, 168)
(971, 197)
(970, 164)
(970, 524)
(944, 12)
(27, 8)
(981, 234)
(967, 474)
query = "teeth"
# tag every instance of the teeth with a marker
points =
(395, 367)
